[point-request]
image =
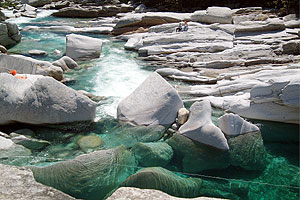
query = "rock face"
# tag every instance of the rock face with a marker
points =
(234, 125)
(154, 102)
(212, 15)
(19, 183)
(146, 194)
(153, 154)
(161, 179)
(27, 65)
(66, 63)
(9, 34)
(42, 100)
(89, 176)
(200, 128)
(270, 93)
(81, 47)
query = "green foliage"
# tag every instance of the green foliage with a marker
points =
(7, 3)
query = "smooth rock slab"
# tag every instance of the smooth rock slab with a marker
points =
(200, 128)
(222, 15)
(154, 102)
(41, 100)
(79, 47)
(19, 183)
(234, 125)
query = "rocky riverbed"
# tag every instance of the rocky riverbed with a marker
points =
(111, 96)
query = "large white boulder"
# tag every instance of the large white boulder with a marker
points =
(41, 100)
(27, 65)
(81, 47)
(222, 15)
(234, 125)
(200, 128)
(154, 102)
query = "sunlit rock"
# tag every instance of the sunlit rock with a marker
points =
(182, 115)
(234, 125)
(153, 154)
(79, 47)
(200, 128)
(42, 100)
(222, 15)
(27, 65)
(66, 63)
(154, 102)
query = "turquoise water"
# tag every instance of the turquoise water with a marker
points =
(115, 75)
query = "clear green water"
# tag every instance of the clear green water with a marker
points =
(115, 75)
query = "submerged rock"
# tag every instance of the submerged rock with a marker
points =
(79, 47)
(161, 179)
(153, 154)
(130, 135)
(196, 157)
(200, 128)
(90, 141)
(28, 142)
(42, 100)
(18, 183)
(154, 102)
(89, 176)
(248, 151)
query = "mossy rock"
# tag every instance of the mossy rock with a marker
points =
(161, 179)
(89, 176)
(153, 154)
(197, 157)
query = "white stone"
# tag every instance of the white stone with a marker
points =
(234, 125)
(222, 15)
(154, 102)
(41, 100)
(200, 128)
(79, 47)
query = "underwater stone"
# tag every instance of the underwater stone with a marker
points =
(161, 179)
(234, 125)
(18, 183)
(90, 141)
(153, 154)
(129, 135)
(154, 102)
(89, 176)
(30, 143)
(197, 157)
(200, 128)
(248, 151)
